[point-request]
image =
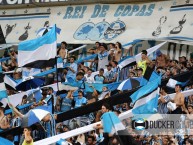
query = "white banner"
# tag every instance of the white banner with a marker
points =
(102, 22)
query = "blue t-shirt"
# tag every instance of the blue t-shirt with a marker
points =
(79, 102)
(99, 79)
(75, 68)
(66, 104)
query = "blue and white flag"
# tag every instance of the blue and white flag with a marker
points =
(10, 81)
(111, 123)
(149, 87)
(172, 83)
(60, 63)
(40, 52)
(3, 92)
(147, 104)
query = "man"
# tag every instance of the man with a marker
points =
(99, 78)
(80, 100)
(103, 58)
(178, 100)
(50, 99)
(163, 100)
(139, 72)
(48, 121)
(91, 140)
(63, 52)
(109, 75)
(118, 51)
(64, 103)
(88, 77)
(27, 135)
(72, 69)
(189, 111)
(162, 60)
(4, 123)
(108, 119)
(144, 62)
(115, 69)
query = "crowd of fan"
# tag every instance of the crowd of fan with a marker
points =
(107, 58)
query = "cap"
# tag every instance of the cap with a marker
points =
(144, 52)
(158, 53)
(104, 45)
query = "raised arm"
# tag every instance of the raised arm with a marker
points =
(16, 111)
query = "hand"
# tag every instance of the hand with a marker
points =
(97, 126)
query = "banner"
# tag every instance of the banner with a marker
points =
(168, 20)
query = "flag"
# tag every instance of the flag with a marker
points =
(39, 52)
(3, 92)
(111, 123)
(172, 83)
(86, 58)
(136, 58)
(60, 63)
(10, 81)
(129, 84)
(147, 104)
(149, 87)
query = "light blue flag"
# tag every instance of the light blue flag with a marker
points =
(86, 58)
(149, 87)
(148, 104)
(132, 42)
(4, 141)
(111, 123)
(99, 86)
(46, 72)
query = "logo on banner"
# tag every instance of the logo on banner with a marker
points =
(101, 30)
(140, 124)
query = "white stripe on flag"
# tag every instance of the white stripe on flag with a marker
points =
(185, 93)
(40, 113)
(126, 62)
(45, 52)
(171, 83)
(150, 51)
